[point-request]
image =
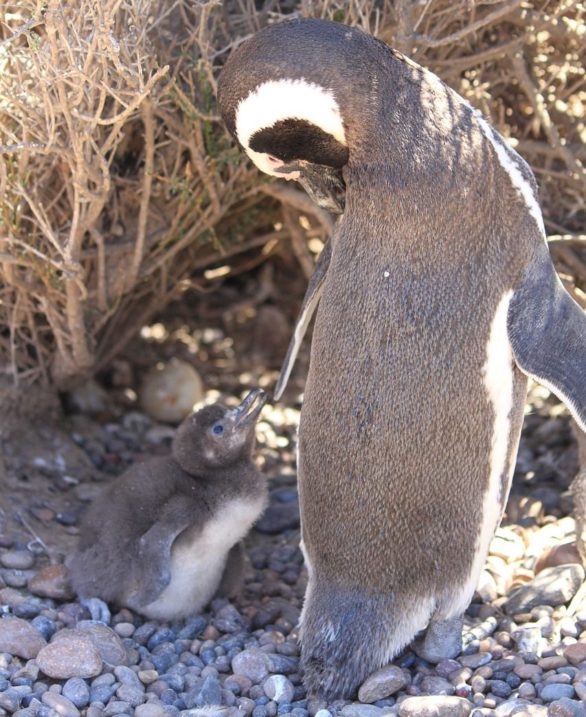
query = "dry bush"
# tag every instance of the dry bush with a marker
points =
(115, 174)
(118, 183)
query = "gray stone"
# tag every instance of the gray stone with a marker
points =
(520, 707)
(278, 517)
(126, 676)
(357, 709)
(251, 663)
(78, 691)
(553, 586)
(20, 638)
(435, 706)
(529, 639)
(382, 683)
(95, 711)
(17, 559)
(106, 641)
(279, 689)
(434, 685)
(71, 654)
(117, 707)
(133, 695)
(566, 708)
(60, 704)
(150, 709)
(555, 691)
(475, 660)
(10, 700)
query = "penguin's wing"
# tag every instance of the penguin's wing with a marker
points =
(151, 564)
(308, 307)
(547, 331)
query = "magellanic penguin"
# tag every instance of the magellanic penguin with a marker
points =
(438, 299)
(163, 538)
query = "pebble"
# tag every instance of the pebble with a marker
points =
(383, 683)
(279, 689)
(576, 653)
(435, 706)
(475, 660)
(555, 691)
(20, 638)
(553, 586)
(280, 515)
(566, 708)
(106, 641)
(17, 559)
(77, 690)
(514, 707)
(72, 654)
(435, 685)
(60, 704)
(357, 709)
(51, 581)
(252, 664)
(169, 392)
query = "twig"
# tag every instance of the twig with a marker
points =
(298, 241)
(147, 183)
(536, 99)
(36, 538)
(455, 37)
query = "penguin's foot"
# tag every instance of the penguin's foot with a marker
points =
(99, 611)
(442, 640)
(233, 575)
(347, 634)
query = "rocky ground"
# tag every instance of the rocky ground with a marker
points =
(526, 628)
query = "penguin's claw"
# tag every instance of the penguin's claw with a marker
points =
(99, 611)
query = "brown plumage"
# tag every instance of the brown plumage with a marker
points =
(159, 537)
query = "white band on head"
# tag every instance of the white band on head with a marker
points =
(278, 100)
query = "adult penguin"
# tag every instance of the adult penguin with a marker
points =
(437, 299)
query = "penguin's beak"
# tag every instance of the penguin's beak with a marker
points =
(324, 184)
(247, 412)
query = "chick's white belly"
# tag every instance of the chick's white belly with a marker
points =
(197, 564)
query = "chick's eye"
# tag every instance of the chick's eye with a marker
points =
(217, 429)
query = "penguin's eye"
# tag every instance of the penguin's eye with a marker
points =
(217, 429)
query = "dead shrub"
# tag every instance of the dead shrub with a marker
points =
(118, 184)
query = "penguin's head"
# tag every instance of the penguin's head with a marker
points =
(217, 436)
(293, 94)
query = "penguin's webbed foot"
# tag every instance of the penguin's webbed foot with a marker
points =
(98, 609)
(344, 638)
(442, 640)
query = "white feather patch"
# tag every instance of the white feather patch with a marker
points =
(506, 155)
(197, 567)
(498, 381)
(508, 158)
(278, 100)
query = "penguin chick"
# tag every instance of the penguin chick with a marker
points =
(434, 301)
(165, 536)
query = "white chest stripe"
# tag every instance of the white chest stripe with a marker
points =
(498, 381)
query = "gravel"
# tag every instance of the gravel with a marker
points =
(526, 629)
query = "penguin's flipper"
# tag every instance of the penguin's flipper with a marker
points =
(547, 331)
(151, 566)
(308, 307)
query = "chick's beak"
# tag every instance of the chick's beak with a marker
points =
(250, 408)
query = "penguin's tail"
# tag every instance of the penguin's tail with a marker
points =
(347, 634)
